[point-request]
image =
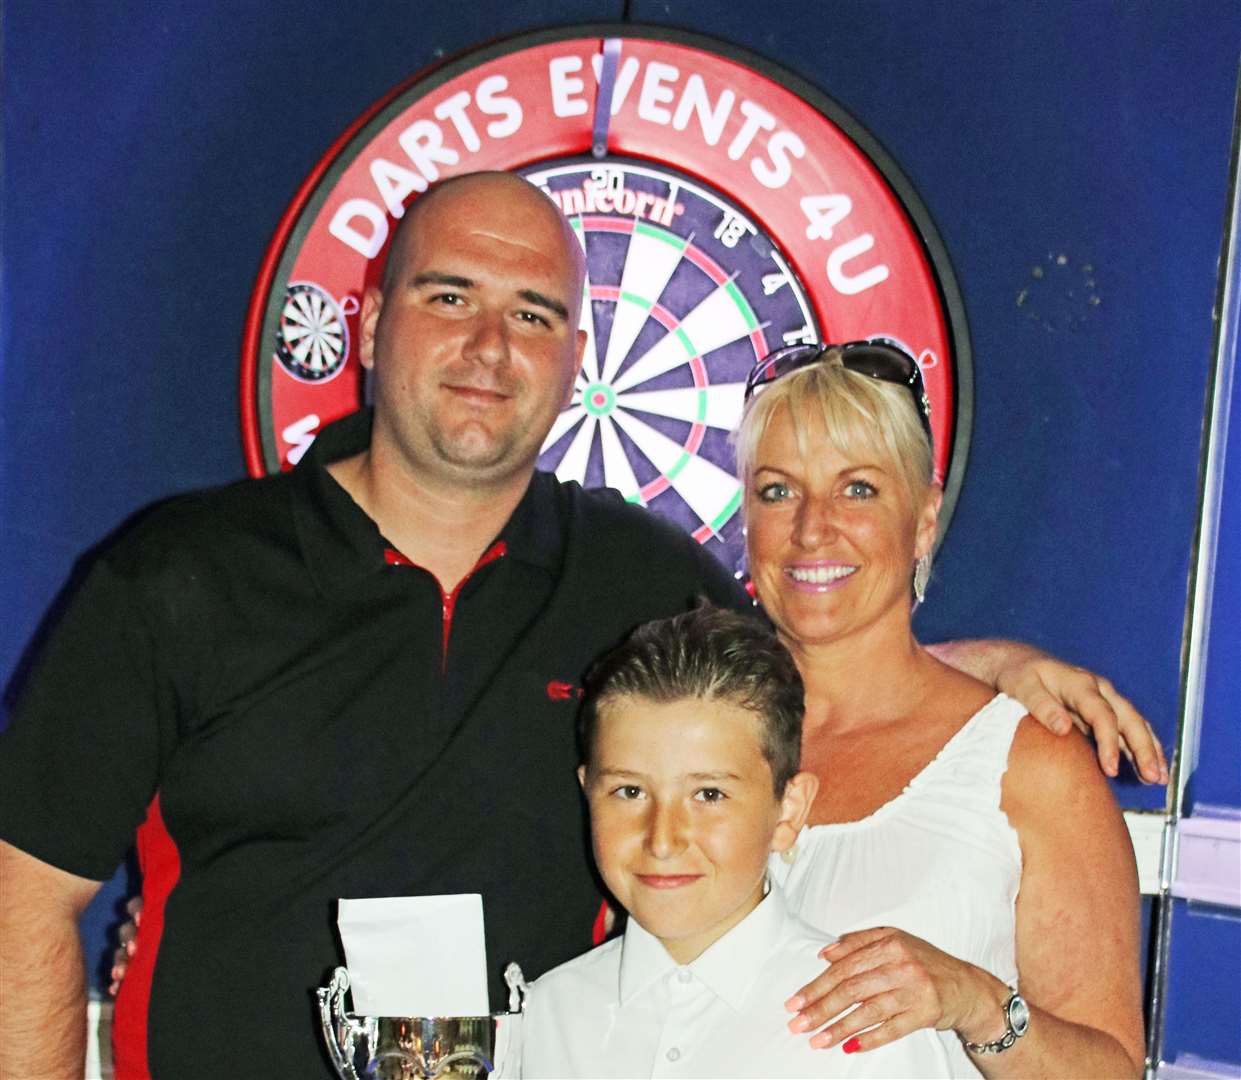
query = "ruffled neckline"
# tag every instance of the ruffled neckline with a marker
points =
(963, 734)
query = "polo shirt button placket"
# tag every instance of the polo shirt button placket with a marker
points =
(673, 1054)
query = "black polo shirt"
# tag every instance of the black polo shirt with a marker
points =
(260, 687)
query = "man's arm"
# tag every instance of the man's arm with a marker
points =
(1060, 695)
(42, 973)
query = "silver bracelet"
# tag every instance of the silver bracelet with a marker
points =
(1017, 1022)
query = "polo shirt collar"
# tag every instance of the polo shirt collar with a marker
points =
(728, 968)
(342, 544)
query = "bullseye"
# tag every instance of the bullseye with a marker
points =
(599, 399)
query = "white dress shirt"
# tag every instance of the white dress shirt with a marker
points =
(627, 1009)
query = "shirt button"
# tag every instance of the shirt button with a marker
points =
(684, 975)
(673, 1054)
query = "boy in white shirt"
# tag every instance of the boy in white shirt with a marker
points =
(691, 742)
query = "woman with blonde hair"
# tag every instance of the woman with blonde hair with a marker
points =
(977, 868)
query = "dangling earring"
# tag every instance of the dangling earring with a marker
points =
(741, 573)
(922, 575)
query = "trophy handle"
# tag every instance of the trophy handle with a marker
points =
(518, 991)
(337, 1023)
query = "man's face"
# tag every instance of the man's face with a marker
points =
(475, 344)
(682, 815)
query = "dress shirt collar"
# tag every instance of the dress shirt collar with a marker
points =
(727, 968)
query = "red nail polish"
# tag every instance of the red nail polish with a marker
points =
(852, 1046)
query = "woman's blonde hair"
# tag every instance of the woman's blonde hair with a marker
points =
(864, 417)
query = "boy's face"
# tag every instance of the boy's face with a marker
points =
(683, 816)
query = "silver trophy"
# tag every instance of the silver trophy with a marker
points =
(421, 1047)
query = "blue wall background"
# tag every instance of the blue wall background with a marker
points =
(1073, 155)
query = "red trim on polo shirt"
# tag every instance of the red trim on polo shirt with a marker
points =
(161, 868)
(449, 600)
(599, 932)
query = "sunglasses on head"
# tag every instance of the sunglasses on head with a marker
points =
(877, 358)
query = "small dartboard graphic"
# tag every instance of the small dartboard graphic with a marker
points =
(312, 341)
(726, 208)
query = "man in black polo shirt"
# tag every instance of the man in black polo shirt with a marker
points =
(355, 679)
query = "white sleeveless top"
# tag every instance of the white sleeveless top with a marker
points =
(939, 861)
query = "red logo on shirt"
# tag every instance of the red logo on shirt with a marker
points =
(562, 691)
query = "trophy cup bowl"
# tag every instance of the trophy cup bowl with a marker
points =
(420, 1047)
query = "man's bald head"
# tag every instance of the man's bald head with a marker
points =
(474, 341)
(480, 197)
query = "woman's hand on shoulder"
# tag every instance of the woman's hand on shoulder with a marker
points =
(1059, 696)
(900, 983)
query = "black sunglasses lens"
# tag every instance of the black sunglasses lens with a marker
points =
(878, 360)
(780, 363)
(885, 364)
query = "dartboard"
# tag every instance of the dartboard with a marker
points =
(313, 340)
(725, 206)
(678, 316)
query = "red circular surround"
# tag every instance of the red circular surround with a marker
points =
(850, 225)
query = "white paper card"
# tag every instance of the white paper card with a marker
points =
(416, 955)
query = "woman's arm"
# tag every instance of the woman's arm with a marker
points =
(1077, 915)
(1058, 695)
(1077, 941)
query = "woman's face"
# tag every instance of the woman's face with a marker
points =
(831, 540)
